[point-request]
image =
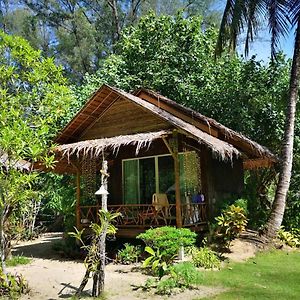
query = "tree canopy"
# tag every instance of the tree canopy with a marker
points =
(34, 99)
(80, 34)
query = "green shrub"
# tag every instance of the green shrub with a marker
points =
(156, 262)
(12, 286)
(129, 254)
(231, 223)
(205, 257)
(168, 240)
(167, 286)
(182, 276)
(289, 238)
(18, 260)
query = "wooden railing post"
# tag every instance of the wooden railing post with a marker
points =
(173, 149)
(177, 192)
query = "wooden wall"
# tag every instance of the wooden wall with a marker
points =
(225, 182)
(122, 118)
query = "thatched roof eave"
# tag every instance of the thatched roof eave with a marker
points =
(96, 147)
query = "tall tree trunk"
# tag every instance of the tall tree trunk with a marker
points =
(276, 217)
(114, 7)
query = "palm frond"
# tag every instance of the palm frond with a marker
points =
(239, 16)
(255, 11)
(278, 21)
(225, 23)
(246, 16)
(294, 11)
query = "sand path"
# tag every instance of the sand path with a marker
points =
(51, 277)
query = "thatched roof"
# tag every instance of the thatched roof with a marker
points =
(223, 142)
(97, 146)
(237, 139)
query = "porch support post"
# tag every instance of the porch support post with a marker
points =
(174, 151)
(78, 199)
(177, 192)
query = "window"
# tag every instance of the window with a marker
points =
(142, 177)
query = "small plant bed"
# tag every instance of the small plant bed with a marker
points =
(163, 246)
(205, 257)
(130, 254)
(272, 275)
(179, 277)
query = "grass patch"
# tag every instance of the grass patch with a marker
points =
(18, 260)
(273, 275)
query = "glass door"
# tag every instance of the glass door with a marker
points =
(131, 182)
(147, 179)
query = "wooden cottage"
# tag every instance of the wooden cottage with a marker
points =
(168, 164)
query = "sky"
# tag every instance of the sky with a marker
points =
(261, 46)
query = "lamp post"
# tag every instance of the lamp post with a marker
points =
(103, 188)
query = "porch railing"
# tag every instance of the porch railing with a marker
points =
(146, 215)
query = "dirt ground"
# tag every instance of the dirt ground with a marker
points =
(51, 277)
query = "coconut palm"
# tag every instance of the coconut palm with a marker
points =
(246, 16)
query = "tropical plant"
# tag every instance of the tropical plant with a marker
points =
(280, 16)
(168, 240)
(231, 223)
(12, 286)
(94, 260)
(179, 277)
(205, 257)
(288, 238)
(129, 254)
(156, 261)
(185, 275)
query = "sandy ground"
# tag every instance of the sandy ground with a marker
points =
(241, 250)
(51, 277)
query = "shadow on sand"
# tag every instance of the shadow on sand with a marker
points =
(40, 248)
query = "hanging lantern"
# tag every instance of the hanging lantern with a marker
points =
(102, 191)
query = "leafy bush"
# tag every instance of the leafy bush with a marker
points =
(12, 286)
(182, 276)
(205, 257)
(296, 232)
(168, 240)
(231, 223)
(129, 254)
(289, 238)
(167, 286)
(243, 203)
(158, 265)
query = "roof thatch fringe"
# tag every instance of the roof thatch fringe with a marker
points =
(96, 147)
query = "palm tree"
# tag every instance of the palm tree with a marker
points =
(245, 16)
